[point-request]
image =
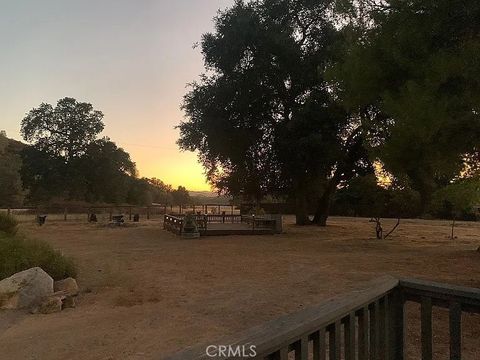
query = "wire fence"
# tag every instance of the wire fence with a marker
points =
(107, 213)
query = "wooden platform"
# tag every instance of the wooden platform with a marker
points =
(214, 229)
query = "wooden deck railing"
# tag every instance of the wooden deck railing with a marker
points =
(364, 325)
(173, 224)
(219, 218)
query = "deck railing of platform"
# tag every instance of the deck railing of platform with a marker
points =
(259, 221)
(173, 223)
(219, 218)
(365, 325)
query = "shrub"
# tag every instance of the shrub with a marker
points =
(457, 200)
(18, 254)
(8, 224)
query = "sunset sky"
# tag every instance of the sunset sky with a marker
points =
(131, 59)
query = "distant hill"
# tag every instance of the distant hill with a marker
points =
(203, 193)
(208, 197)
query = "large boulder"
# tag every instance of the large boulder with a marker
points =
(25, 289)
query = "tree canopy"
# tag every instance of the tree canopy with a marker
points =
(299, 97)
(265, 119)
(65, 130)
(416, 64)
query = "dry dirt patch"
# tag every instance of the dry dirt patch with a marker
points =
(147, 293)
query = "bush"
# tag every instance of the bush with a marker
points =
(457, 200)
(18, 254)
(8, 224)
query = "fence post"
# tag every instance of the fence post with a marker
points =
(65, 214)
(111, 217)
(130, 213)
(148, 213)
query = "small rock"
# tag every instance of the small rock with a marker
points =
(69, 302)
(68, 285)
(25, 289)
(49, 305)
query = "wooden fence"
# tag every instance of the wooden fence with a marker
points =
(363, 325)
(106, 212)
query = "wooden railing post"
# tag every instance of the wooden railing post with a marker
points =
(319, 346)
(426, 319)
(455, 318)
(374, 330)
(397, 326)
(349, 333)
(363, 338)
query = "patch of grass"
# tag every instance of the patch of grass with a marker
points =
(18, 254)
(8, 224)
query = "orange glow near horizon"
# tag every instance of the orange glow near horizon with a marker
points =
(129, 59)
(174, 168)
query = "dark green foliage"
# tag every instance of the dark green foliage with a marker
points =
(11, 192)
(108, 172)
(458, 200)
(44, 175)
(181, 196)
(364, 197)
(8, 224)
(417, 65)
(18, 254)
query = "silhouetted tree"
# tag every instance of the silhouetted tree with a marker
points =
(63, 131)
(266, 120)
(181, 196)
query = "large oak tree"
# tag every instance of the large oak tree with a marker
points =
(264, 118)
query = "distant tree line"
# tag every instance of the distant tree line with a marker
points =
(303, 99)
(67, 162)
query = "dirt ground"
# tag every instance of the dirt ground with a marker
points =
(147, 293)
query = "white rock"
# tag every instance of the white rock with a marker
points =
(25, 289)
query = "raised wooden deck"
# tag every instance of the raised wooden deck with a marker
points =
(218, 225)
(214, 229)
